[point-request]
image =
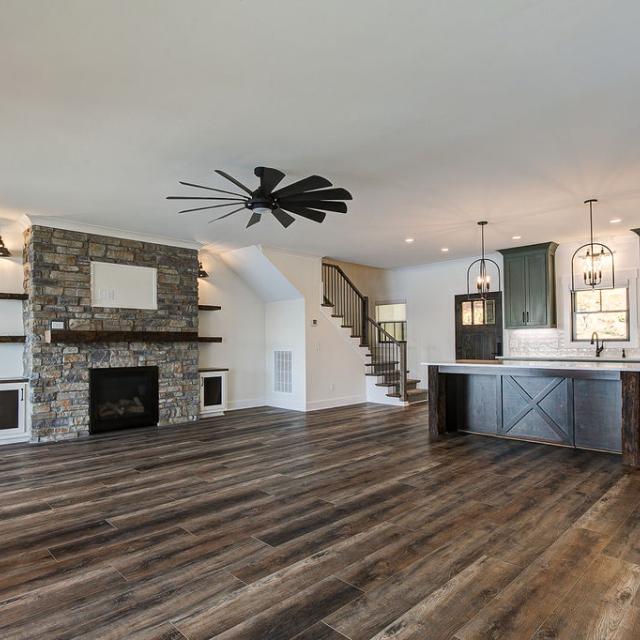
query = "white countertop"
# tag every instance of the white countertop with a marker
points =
(587, 365)
(603, 358)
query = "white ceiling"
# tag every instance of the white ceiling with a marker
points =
(434, 115)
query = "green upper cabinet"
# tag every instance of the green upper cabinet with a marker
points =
(530, 286)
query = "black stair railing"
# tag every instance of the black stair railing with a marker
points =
(388, 355)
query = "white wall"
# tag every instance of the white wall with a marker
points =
(241, 323)
(11, 281)
(334, 368)
(285, 331)
(370, 281)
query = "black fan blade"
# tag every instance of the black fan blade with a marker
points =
(269, 178)
(232, 179)
(310, 214)
(213, 206)
(306, 184)
(325, 194)
(226, 215)
(338, 207)
(254, 219)
(205, 198)
(201, 186)
(283, 218)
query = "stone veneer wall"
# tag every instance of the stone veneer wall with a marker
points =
(57, 267)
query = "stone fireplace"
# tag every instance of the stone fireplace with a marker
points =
(57, 267)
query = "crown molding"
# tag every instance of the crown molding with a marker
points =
(114, 232)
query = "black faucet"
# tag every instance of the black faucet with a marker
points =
(599, 347)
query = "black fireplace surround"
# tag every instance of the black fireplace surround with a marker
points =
(123, 397)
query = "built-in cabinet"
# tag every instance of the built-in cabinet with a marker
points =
(529, 286)
(13, 414)
(213, 391)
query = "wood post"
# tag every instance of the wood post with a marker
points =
(365, 323)
(437, 402)
(630, 418)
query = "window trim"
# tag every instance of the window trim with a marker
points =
(573, 313)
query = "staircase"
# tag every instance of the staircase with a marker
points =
(386, 365)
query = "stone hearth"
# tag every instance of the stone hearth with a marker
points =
(57, 267)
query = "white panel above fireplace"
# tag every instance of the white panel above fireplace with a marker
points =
(123, 286)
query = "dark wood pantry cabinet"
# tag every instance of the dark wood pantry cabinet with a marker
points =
(530, 286)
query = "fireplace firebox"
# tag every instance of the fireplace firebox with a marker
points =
(123, 397)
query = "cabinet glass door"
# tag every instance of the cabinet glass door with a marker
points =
(13, 424)
(9, 409)
(212, 391)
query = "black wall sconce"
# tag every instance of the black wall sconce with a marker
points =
(4, 252)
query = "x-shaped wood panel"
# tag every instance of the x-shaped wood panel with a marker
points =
(532, 403)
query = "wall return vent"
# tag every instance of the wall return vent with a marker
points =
(282, 372)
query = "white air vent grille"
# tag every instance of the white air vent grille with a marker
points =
(282, 372)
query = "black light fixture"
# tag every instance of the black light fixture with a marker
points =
(4, 252)
(201, 272)
(595, 260)
(483, 279)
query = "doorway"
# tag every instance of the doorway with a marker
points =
(478, 326)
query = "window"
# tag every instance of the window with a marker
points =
(478, 312)
(393, 319)
(605, 311)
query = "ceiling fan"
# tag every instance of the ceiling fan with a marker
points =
(309, 198)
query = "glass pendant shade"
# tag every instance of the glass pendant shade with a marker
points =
(483, 278)
(594, 260)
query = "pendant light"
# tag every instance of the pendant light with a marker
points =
(596, 260)
(4, 252)
(201, 272)
(482, 283)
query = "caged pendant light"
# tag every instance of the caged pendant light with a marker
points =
(482, 283)
(597, 258)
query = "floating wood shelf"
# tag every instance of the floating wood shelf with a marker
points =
(208, 339)
(14, 296)
(68, 335)
(11, 339)
(209, 307)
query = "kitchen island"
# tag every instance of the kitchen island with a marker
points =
(586, 405)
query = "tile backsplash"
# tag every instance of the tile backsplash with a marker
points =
(554, 343)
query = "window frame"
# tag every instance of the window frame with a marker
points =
(573, 313)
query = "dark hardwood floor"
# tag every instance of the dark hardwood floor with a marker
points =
(347, 523)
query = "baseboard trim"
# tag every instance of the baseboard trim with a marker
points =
(248, 403)
(331, 403)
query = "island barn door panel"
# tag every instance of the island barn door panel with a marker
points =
(538, 408)
(473, 403)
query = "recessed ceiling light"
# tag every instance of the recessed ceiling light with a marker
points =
(409, 240)
(516, 237)
(444, 249)
(615, 220)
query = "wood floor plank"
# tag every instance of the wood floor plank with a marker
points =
(597, 604)
(440, 614)
(339, 524)
(522, 606)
